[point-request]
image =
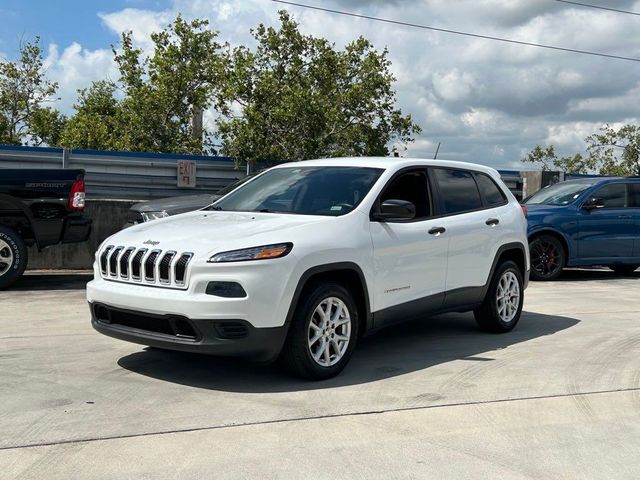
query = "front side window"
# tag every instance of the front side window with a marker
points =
(411, 186)
(613, 195)
(558, 194)
(492, 194)
(328, 191)
(458, 190)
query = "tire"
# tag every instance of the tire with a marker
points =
(624, 269)
(13, 256)
(298, 355)
(488, 315)
(548, 258)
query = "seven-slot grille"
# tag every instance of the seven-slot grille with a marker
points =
(151, 267)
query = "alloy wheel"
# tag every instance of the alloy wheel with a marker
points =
(545, 258)
(329, 331)
(508, 296)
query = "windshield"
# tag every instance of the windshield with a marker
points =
(234, 185)
(558, 194)
(330, 191)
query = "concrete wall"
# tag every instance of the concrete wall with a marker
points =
(108, 217)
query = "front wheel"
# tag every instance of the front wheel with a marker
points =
(13, 256)
(548, 258)
(323, 333)
(502, 305)
(624, 269)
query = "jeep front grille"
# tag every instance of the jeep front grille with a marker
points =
(144, 266)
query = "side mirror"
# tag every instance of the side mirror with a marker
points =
(391, 210)
(593, 204)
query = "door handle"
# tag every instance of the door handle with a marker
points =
(437, 231)
(492, 222)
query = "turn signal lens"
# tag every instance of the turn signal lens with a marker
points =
(525, 210)
(264, 252)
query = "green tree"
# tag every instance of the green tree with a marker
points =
(297, 97)
(24, 93)
(610, 152)
(97, 121)
(548, 159)
(153, 104)
(616, 152)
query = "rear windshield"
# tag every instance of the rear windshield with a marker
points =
(559, 194)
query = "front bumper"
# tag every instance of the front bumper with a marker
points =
(236, 338)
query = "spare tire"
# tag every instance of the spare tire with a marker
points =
(13, 256)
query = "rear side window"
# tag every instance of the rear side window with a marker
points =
(613, 195)
(458, 190)
(492, 194)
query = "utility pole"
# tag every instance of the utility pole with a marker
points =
(196, 123)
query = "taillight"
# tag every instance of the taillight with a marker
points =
(77, 195)
(525, 210)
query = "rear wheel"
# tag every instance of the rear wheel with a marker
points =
(502, 306)
(548, 257)
(13, 256)
(624, 269)
(323, 333)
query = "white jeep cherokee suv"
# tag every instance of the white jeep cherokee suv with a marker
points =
(304, 259)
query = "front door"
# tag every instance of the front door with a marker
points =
(410, 263)
(607, 232)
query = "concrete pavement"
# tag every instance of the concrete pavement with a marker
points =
(559, 397)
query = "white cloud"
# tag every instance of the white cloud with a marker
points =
(76, 68)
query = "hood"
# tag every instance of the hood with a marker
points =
(544, 209)
(176, 205)
(204, 232)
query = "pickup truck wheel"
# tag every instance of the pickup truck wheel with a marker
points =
(13, 256)
(323, 333)
(502, 306)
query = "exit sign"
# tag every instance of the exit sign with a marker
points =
(186, 174)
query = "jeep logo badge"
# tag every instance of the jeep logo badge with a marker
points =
(151, 242)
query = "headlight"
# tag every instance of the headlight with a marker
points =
(254, 253)
(148, 216)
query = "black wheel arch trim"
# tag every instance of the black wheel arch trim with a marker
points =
(326, 268)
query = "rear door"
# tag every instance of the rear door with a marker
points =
(608, 232)
(472, 227)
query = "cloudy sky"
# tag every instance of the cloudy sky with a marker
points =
(487, 102)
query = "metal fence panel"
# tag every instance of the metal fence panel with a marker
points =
(126, 175)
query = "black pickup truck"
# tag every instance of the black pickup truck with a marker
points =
(41, 208)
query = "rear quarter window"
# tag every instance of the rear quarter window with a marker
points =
(492, 194)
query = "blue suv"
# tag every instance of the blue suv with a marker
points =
(591, 221)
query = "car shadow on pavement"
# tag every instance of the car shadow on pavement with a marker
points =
(394, 351)
(584, 274)
(34, 281)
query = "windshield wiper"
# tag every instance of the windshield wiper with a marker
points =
(214, 207)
